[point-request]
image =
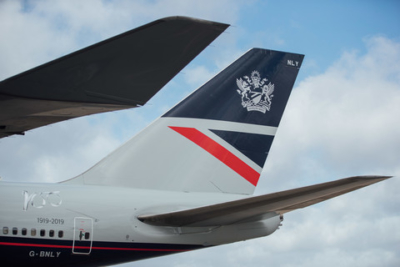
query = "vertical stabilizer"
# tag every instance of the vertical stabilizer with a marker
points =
(215, 140)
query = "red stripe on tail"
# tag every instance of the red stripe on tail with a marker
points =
(220, 152)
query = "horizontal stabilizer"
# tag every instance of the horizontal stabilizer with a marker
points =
(122, 72)
(256, 208)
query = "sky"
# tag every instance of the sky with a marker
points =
(341, 120)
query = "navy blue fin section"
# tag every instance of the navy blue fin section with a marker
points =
(253, 146)
(254, 89)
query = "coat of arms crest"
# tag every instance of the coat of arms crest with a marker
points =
(256, 93)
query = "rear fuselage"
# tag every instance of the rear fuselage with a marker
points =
(91, 225)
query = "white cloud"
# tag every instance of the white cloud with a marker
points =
(36, 32)
(56, 152)
(343, 122)
(197, 76)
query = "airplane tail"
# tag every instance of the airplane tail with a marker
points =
(215, 140)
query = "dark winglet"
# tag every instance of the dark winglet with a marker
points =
(121, 72)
